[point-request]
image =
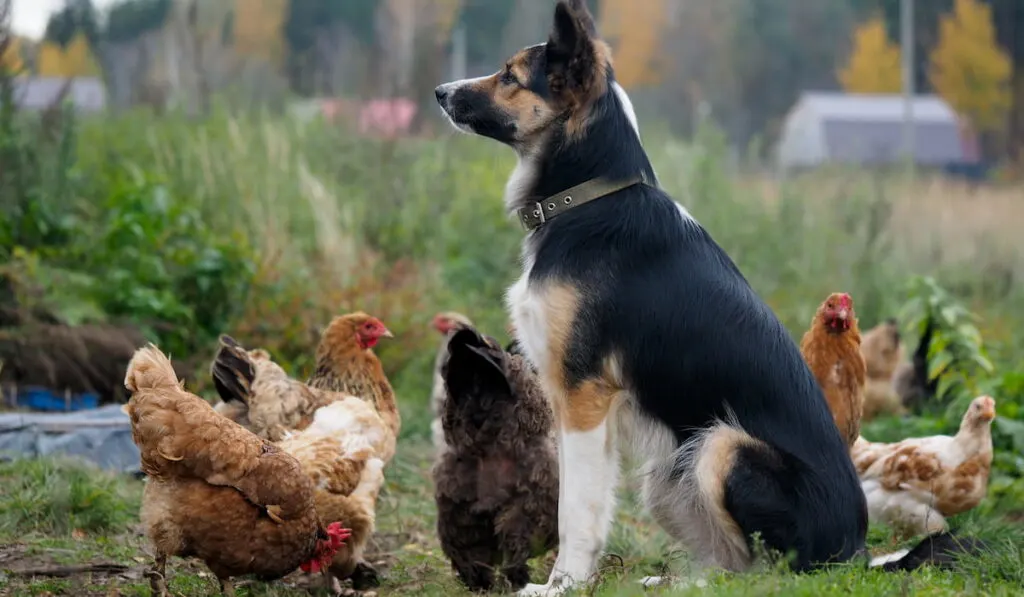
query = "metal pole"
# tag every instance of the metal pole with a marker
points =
(458, 58)
(907, 45)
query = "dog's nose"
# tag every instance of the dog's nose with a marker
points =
(440, 93)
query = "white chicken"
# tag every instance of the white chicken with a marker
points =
(913, 485)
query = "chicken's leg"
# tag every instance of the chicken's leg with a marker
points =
(226, 588)
(157, 578)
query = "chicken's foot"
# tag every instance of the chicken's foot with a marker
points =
(226, 588)
(364, 576)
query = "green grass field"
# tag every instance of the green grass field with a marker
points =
(55, 517)
(264, 228)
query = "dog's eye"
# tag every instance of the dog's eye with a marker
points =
(508, 78)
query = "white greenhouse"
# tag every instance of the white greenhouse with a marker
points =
(861, 129)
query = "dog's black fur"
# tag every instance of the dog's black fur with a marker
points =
(496, 485)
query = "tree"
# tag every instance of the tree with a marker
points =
(781, 48)
(130, 19)
(76, 60)
(874, 63)
(258, 29)
(968, 69)
(635, 28)
(925, 26)
(77, 16)
(10, 55)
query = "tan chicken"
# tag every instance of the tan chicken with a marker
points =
(882, 349)
(831, 348)
(214, 490)
(913, 485)
(357, 431)
(446, 324)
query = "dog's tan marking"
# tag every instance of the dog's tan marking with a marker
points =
(581, 101)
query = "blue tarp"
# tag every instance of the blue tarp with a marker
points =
(102, 436)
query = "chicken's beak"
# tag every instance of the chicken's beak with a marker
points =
(387, 333)
(988, 410)
(844, 314)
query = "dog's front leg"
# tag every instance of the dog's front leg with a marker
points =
(588, 477)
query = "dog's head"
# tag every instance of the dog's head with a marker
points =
(541, 90)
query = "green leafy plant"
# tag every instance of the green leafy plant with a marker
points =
(957, 359)
(156, 261)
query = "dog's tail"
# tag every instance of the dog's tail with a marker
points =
(943, 550)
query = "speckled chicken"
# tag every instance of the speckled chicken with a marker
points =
(913, 485)
(214, 490)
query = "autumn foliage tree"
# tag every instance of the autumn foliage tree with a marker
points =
(258, 29)
(874, 63)
(75, 60)
(968, 69)
(10, 55)
(635, 29)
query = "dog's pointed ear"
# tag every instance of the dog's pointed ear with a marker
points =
(572, 61)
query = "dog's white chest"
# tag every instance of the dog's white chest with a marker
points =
(527, 312)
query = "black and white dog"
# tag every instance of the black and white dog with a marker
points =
(645, 333)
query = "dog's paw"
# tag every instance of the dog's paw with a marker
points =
(653, 581)
(547, 590)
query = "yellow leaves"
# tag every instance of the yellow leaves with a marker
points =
(874, 64)
(446, 12)
(76, 60)
(968, 69)
(635, 29)
(10, 61)
(258, 29)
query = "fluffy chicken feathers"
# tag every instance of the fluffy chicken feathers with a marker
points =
(179, 435)
(345, 362)
(882, 349)
(831, 348)
(914, 484)
(341, 425)
(216, 491)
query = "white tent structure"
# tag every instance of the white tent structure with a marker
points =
(862, 129)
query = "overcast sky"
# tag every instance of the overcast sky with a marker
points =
(30, 16)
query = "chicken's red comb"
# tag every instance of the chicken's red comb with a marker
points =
(338, 534)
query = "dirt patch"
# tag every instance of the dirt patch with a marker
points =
(86, 358)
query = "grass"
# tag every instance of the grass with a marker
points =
(47, 532)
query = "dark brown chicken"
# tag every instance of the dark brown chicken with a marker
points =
(496, 484)
(214, 490)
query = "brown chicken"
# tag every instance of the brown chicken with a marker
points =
(831, 348)
(214, 490)
(446, 324)
(913, 485)
(882, 349)
(356, 431)
(345, 362)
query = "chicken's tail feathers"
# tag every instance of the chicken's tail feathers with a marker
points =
(232, 371)
(943, 550)
(150, 368)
